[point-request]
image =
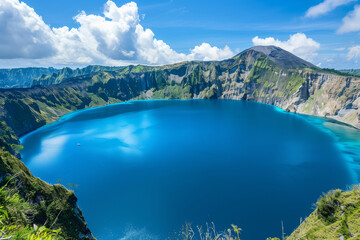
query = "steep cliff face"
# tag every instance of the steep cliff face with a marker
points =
(331, 96)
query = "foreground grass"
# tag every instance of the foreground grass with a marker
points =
(188, 232)
(337, 216)
(33, 209)
(15, 218)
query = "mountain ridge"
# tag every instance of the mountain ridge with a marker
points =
(22, 77)
(283, 58)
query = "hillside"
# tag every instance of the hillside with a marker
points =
(355, 72)
(263, 74)
(27, 77)
(337, 216)
(26, 200)
(22, 77)
(65, 73)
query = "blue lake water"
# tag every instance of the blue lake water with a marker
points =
(143, 168)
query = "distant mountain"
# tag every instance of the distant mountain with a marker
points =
(22, 77)
(27, 77)
(281, 57)
(355, 72)
(59, 76)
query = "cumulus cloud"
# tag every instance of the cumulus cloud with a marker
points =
(326, 7)
(23, 33)
(206, 52)
(351, 22)
(354, 53)
(116, 37)
(298, 44)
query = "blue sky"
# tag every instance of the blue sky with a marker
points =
(205, 30)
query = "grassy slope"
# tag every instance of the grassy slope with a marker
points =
(15, 215)
(50, 205)
(337, 215)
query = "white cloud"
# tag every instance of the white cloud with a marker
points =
(114, 38)
(298, 44)
(351, 22)
(326, 7)
(23, 33)
(354, 53)
(206, 52)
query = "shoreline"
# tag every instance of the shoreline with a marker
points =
(68, 115)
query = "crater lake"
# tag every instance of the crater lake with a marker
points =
(141, 169)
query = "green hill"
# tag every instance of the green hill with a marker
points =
(337, 216)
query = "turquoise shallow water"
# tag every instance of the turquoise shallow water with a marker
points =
(143, 168)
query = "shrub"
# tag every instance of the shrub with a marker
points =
(327, 206)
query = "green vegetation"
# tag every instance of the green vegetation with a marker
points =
(26, 201)
(353, 72)
(66, 73)
(348, 73)
(267, 79)
(173, 92)
(311, 103)
(294, 83)
(207, 233)
(337, 215)
(8, 139)
(15, 218)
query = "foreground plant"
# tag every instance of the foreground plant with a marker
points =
(208, 233)
(15, 218)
